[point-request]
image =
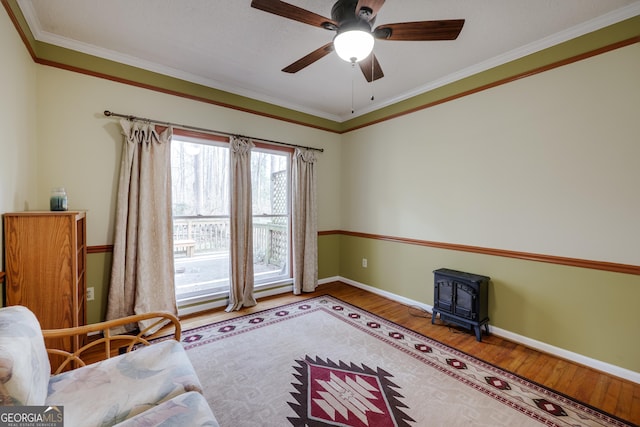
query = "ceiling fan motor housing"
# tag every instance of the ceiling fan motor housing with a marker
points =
(344, 12)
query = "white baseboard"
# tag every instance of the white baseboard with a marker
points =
(520, 339)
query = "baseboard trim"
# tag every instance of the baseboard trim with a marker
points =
(511, 336)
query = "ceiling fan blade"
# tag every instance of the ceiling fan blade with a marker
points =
(371, 68)
(309, 59)
(447, 29)
(290, 11)
(374, 5)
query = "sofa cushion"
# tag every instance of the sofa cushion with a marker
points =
(189, 409)
(24, 363)
(115, 389)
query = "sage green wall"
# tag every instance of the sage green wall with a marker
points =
(98, 276)
(547, 164)
(329, 250)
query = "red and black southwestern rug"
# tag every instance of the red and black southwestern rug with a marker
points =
(324, 362)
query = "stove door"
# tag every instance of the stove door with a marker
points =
(465, 301)
(444, 295)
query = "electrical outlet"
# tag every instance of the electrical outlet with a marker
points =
(364, 263)
(90, 295)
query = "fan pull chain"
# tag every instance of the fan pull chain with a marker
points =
(372, 77)
(353, 68)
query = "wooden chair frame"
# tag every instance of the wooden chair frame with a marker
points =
(78, 358)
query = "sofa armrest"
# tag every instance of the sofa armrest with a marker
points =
(90, 353)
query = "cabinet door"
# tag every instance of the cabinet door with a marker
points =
(40, 254)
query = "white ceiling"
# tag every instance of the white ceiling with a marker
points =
(227, 45)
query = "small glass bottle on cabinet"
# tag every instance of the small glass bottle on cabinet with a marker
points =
(58, 201)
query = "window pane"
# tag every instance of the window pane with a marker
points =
(200, 191)
(270, 195)
(200, 176)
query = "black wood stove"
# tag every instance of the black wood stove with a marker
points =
(461, 298)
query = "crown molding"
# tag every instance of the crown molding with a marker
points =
(53, 39)
(573, 44)
(590, 26)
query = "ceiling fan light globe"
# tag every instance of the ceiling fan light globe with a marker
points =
(353, 45)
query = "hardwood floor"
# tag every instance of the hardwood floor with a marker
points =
(608, 393)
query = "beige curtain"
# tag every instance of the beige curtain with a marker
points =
(305, 225)
(241, 250)
(142, 274)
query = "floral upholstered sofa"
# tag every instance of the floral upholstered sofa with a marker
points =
(153, 385)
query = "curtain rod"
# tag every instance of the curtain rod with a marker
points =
(216, 132)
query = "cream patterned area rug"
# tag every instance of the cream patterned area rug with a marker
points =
(324, 362)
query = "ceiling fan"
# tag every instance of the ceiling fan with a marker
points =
(355, 18)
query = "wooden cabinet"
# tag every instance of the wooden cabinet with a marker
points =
(45, 261)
